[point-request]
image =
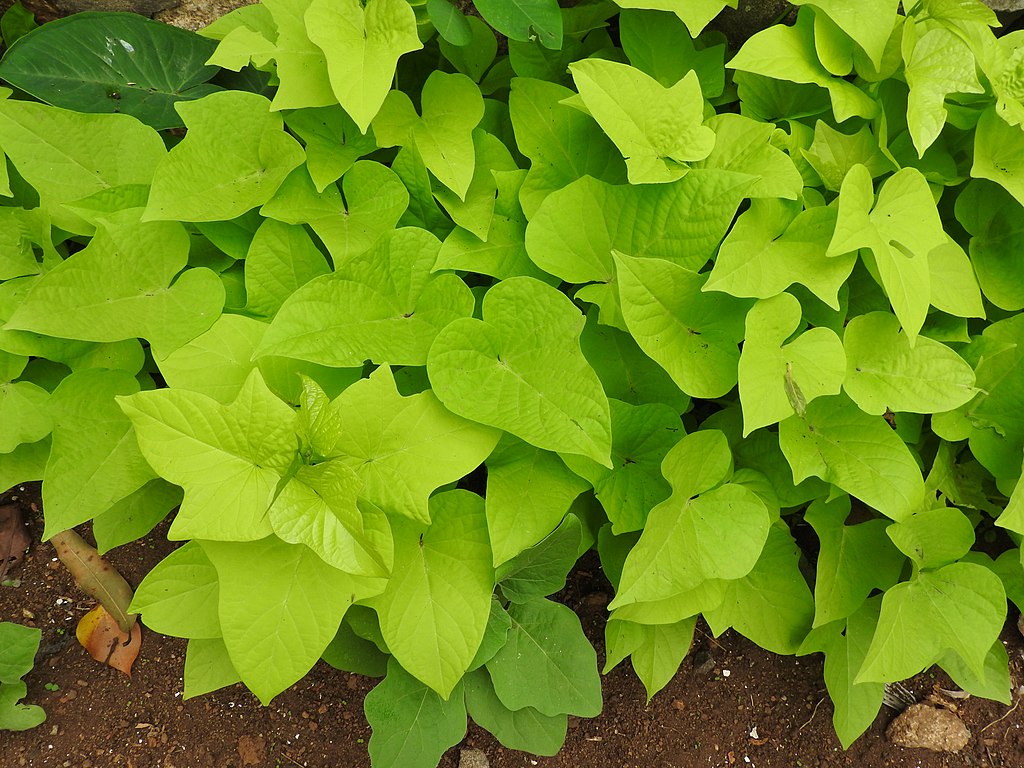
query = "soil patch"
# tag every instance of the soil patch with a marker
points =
(731, 704)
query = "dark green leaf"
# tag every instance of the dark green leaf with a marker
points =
(16, 22)
(112, 62)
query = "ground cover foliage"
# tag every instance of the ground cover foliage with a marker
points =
(406, 324)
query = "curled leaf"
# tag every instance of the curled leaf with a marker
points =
(99, 633)
(14, 538)
(96, 577)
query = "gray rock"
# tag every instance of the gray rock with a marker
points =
(196, 14)
(922, 726)
(1005, 5)
(473, 758)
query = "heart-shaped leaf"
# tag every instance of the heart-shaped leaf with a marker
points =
(112, 62)
(526, 350)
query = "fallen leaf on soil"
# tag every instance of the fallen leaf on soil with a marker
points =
(103, 639)
(14, 538)
(96, 577)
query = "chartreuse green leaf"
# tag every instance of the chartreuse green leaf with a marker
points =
(743, 145)
(772, 604)
(541, 570)
(938, 62)
(135, 515)
(281, 259)
(179, 597)
(351, 653)
(845, 645)
(120, 287)
(24, 415)
(787, 53)
(995, 682)
(681, 222)
(853, 560)
(626, 373)
(900, 229)
(436, 604)
(362, 45)
(694, 13)
(374, 200)
(217, 362)
(144, 68)
(773, 245)
(525, 19)
(243, 36)
(402, 448)
(301, 68)
(95, 460)
(452, 107)
(1006, 82)
(19, 649)
(562, 143)
(319, 507)
(777, 379)
(959, 607)
(529, 490)
(547, 662)
(993, 217)
(857, 452)
(661, 46)
(521, 369)
(233, 158)
(333, 142)
(15, 716)
(955, 288)
(17, 258)
(657, 650)
(503, 254)
(933, 537)
(524, 729)
(492, 163)
(692, 335)
(207, 667)
(760, 452)
(495, 634)
(870, 23)
(421, 208)
(475, 56)
(20, 645)
(998, 154)
(412, 725)
(885, 371)
(833, 153)
(641, 436)
(24, 463)
(67, 156)
(999, 382)
(383, 306)
(228, 458)
(279, 607)
(707, 529)
(658, 130)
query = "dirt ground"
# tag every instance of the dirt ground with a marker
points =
(730, 704)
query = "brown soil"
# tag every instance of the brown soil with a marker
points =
(707, 716)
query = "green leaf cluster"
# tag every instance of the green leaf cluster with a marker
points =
(408, 321)
(18, 646)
